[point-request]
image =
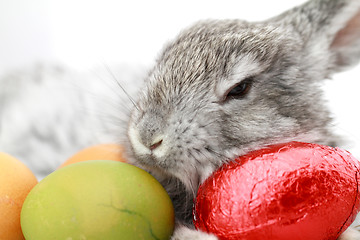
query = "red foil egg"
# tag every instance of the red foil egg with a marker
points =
(291, 191)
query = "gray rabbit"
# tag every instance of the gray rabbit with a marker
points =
(219, 90)
(223, 88)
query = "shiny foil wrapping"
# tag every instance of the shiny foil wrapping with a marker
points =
(293, 191)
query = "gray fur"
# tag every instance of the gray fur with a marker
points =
(48, 113)
(183, 110)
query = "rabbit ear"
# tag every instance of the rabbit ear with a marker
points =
(346, 43)
(329, 28)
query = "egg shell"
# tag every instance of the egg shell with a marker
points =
(98, 200)
(16, 181)
(106, 151)
(291, 191)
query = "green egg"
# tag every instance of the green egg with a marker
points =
(98, 200)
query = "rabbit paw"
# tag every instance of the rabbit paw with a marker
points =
(185, 233)
(350, 234)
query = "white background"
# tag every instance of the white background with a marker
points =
(83, 33)
(80, 32)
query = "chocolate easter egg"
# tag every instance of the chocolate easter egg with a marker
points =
(291, 191)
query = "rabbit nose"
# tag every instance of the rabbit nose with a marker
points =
(151, 130)
(155, 145)
(151, 138)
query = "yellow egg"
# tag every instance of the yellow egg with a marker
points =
(98, 200)
(16, 181)
(108, 151)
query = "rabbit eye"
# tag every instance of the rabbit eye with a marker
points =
(240, 90)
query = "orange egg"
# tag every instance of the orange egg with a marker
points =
(109, 151)
(16, 181)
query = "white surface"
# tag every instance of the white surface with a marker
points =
(82, 33)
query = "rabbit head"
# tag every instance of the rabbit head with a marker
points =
(225, 87)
